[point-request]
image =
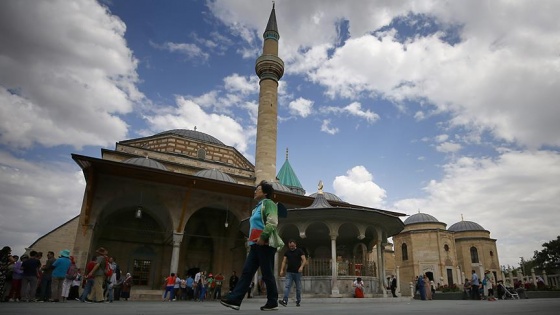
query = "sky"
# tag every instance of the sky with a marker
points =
(448, 108)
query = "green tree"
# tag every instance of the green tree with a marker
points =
(549, 257)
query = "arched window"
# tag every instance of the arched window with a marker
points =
(446, 247)
(404, 252)
(201, 153)
(474, 255)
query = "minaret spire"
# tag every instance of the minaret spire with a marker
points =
(269, 68)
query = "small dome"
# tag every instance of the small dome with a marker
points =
(146, 162)
(192, 134)
(465, 226)
(280, 187)
(420, 218)
(328, 196)
(215, 174)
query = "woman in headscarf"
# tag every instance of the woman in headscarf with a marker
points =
(126, 285)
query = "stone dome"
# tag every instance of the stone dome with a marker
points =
(216, 175)
(192, 134)
(146, 162)
(328, 196)
(466, 226)
(420, 218)
(280, 187)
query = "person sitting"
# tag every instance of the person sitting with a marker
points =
(359, 285)
(467, 289)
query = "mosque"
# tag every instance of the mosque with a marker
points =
(177, 202)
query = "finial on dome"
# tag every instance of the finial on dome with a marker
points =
(418, 210)
(286, 154)
(194, 128)
(273, 5)
(462, 217)
(320, 187)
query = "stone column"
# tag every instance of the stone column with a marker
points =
(545, 277)
(335, 292)
(381, 269)
(398, 275)
(533, 276)
(460, 276)
(177, 239)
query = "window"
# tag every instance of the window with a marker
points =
(474, 255)
(404, 252)
(446, 247)
(491, 253)
(141, 271)
(201, 154)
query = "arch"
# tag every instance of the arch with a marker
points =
(209, 245)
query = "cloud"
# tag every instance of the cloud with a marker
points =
(36, 198)
(325, 127)
(448, 147)
(354, 109)
(66, 78)
(512, 196)
(301, 107)
(358, 187)
(190, 51)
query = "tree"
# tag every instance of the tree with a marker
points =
(549, 257)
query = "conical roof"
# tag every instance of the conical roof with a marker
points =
(286, 176)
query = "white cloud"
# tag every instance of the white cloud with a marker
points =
(325, 127)
(448, 147)
(301, 107)
(36, 198)
(513, 196)
(190, 51)
(244, 85)
(353, 109)
(358, 187)
(66, 77)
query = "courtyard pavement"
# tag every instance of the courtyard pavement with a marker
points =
(308, 306)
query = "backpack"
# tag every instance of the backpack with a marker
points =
(108, 271)
(72, 272)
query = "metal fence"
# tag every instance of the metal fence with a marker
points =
(353, 267)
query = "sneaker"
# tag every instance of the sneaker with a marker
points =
(283, 302)
(297, 304)
(231, 304)
(267, 307)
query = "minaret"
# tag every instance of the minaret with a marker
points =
(270, 68)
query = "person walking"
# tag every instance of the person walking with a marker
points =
(393, 285)
(293, 262)
(262, 228)
(98, 273)
(475, 286)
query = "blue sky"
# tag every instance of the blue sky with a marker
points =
(448, 108)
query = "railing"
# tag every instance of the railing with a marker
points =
(353, 267)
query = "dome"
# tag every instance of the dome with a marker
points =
(216, 175)
(420, 218)
(146, 162)
(465, 226)
(192, 134)
(328, 196)
(280, 187)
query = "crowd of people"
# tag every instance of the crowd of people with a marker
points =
(32, 278)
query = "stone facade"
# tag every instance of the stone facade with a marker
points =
(445, 255)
